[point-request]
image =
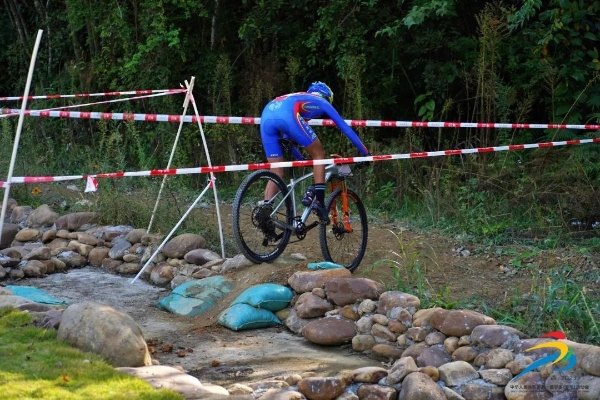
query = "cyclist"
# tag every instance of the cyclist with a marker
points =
(287, 116)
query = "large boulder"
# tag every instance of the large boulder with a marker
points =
(182, 244)
(101, 329)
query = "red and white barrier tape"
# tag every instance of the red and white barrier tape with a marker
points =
(317, 122)
(290, 164)
(65, 96)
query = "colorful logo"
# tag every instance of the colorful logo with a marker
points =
(564, 354)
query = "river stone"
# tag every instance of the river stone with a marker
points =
(20, 214)
(316, 388)
(103, 330)
(387, 352)
(120, 247)
(419, 386)
(329, 331)
(457, 373)
(178, 246)
(74, 221)
(434, 356)
(201, 256)
(162, 274)
(306, 281)
(343, 291)
(9, 231)
(34, 269)
(27, 235)
(458, 322)
(369, 374)
(40, 253)
(362, 343)
(10, 300)
(97, 255)
(521, 388)
(588, 388)
(494, 335)
(88, 239)
(72, 259)
(42, 216)
(235, 263)
(371, 391)
(294, 323)
(309, 305)
(80, 248)
(392, 299)
(135, 235)
(401, 368)
(474, 391)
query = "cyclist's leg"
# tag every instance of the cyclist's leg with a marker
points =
(270, 133)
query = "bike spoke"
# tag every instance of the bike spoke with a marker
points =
(344, 241)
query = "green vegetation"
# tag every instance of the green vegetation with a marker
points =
(34, 364)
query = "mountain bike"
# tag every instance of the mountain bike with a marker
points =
(263, 229)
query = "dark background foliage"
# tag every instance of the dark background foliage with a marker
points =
(436, 60)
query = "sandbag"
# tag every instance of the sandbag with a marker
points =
(324, 265)
(36, 295)
(268, 296)
(243, 316)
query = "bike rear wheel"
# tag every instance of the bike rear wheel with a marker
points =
(338, 243)
(257, 225)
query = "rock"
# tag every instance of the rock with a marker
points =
(465, 353)
(309, 305)
(369, 374)
(494, 335)
(400, 369)
(389, 300)
(34, 269)
(457, 373)
(588, 388)
(10, 300)
(342, 291)
(474, 391)
(376, 392)
(498, 358)
(72, 259)
(135, 236)
(74, 221)
(362, 343)
(434, 356)
(235, 263)
(178, 246)
(329, 331)
(103, 330)
(27, 235)
(97, 255)
(528, 386)
(315, 388)
(498, 377)
(120, 247)
(294, 323)
(41, 253)
(162, 274)
(201, 256)
(458, 322)
(306, 281)
(388, 352)
(9, 231)
(19, 214)
(161, 376)
(419, 386)
(42, 216)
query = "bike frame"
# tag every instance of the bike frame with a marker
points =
(333, 171)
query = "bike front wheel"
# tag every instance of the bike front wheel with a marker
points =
(259, 227)
(344, 241)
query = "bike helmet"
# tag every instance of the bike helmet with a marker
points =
(321, 89)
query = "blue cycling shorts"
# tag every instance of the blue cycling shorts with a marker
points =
(293, 128)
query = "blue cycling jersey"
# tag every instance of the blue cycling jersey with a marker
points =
(288, 115)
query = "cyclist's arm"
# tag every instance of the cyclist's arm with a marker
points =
(344, 127)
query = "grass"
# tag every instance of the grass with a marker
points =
(34, 364)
